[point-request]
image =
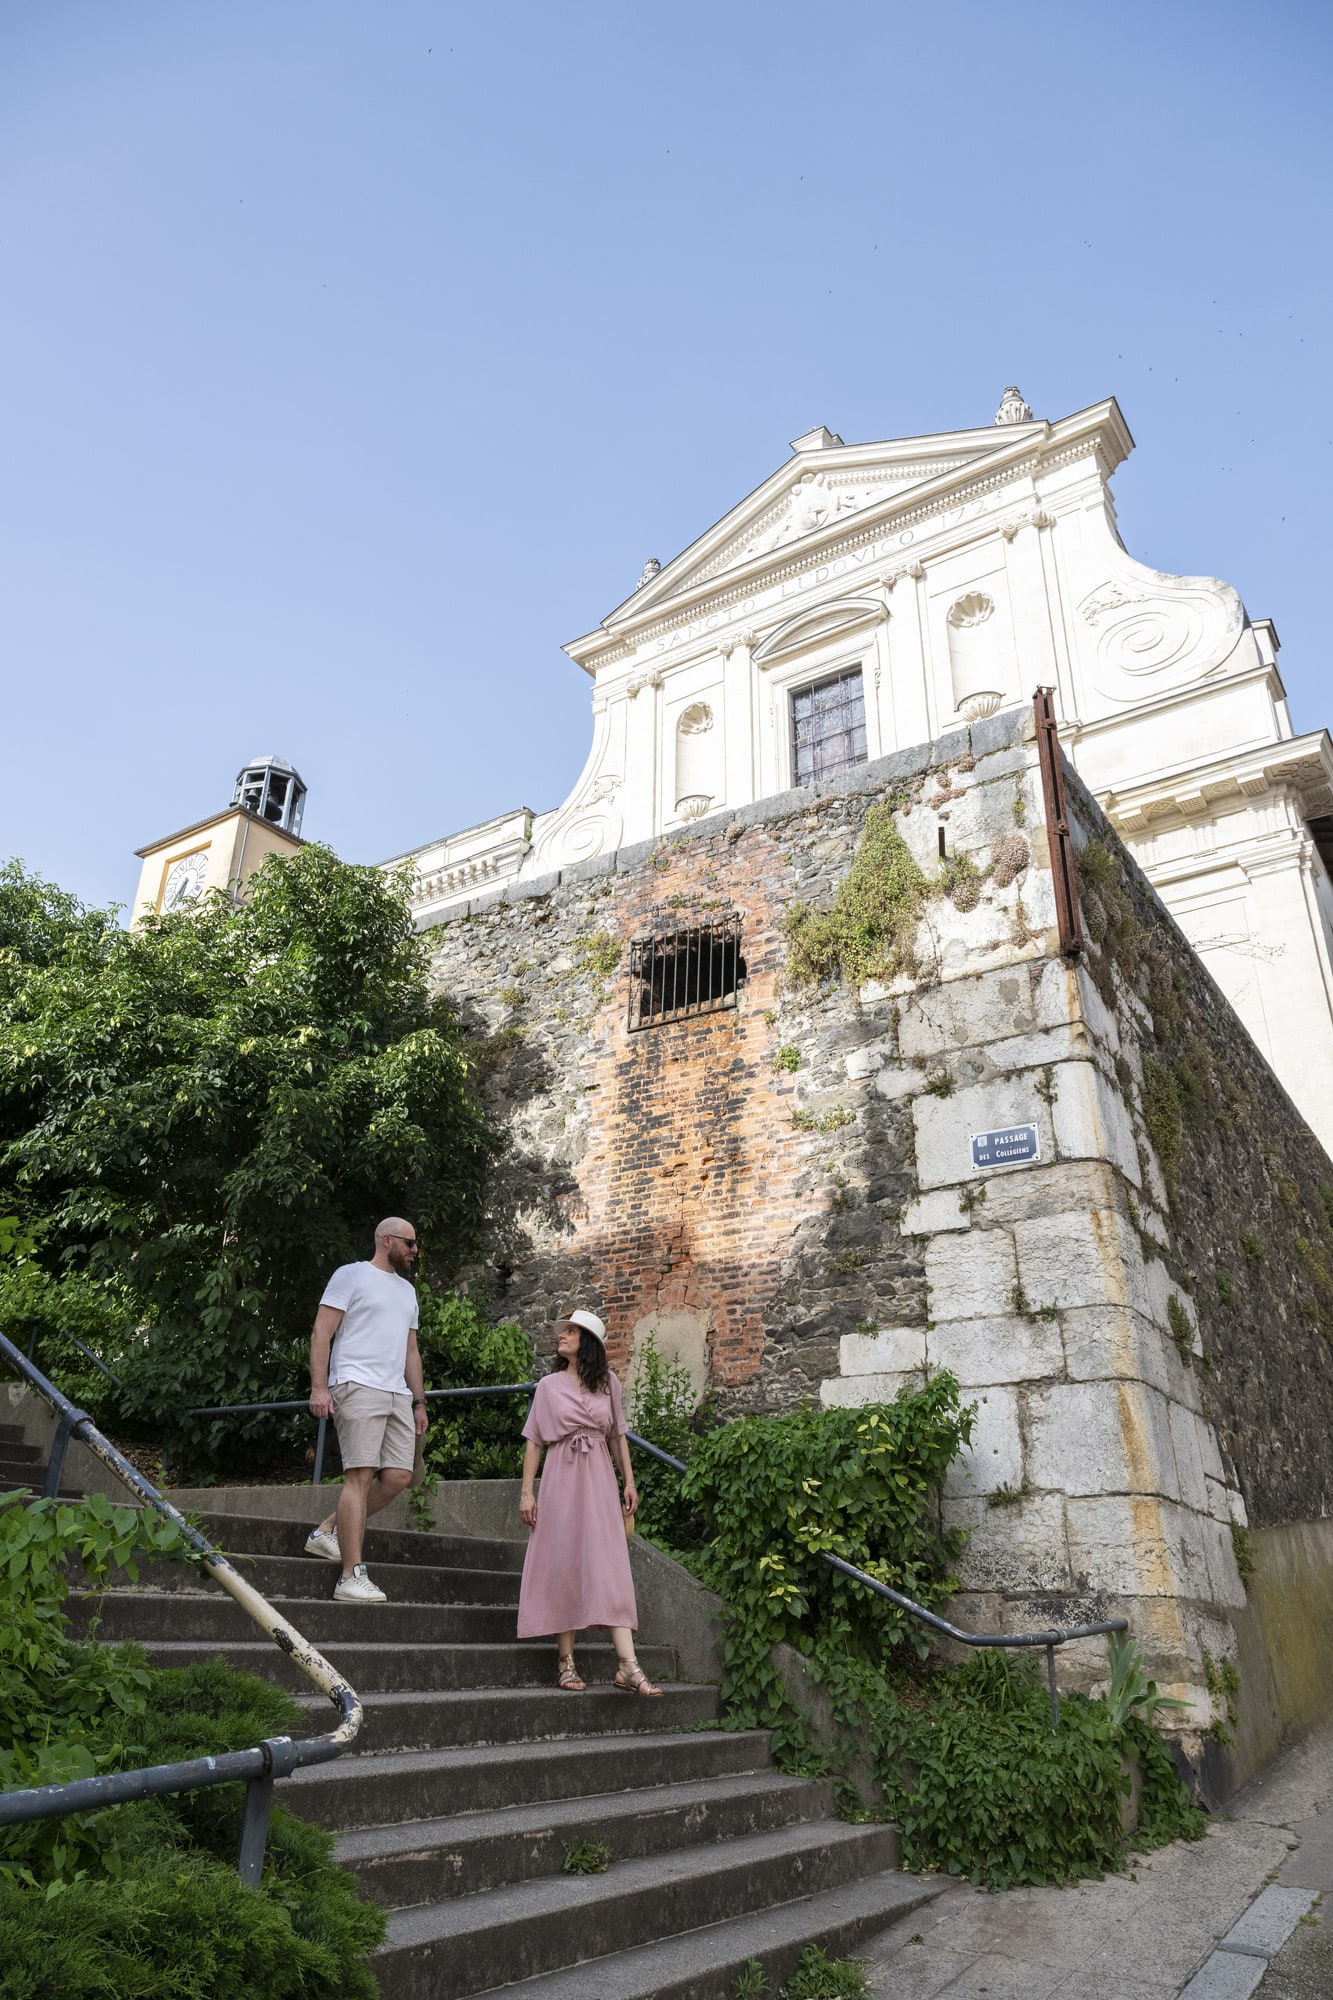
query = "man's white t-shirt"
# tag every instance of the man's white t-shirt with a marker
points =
(379, 1310)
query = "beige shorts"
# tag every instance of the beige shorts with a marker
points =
(374, 1427)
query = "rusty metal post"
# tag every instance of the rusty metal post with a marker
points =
(1063, 871)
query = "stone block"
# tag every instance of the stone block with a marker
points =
(970, 1276)
(1210, 1455)
(995, 1456)
(897, 1080)
(1091, 1121)
(1101, 1437)
(1112, 1341)
(1015, 1547)
(1055, 994)
(1137, 1546)
(1100, 1021)
(1003, 1349)
(1000, 732)
(871, 1056)
(589, 870)
(531, 885)
(1224, 1581)
(634, 856)
(935, 1213)
(1185, 1445)
(894, 1350)
(1087, 1259)
(851, 1392)
(964, 1012)
(1045, 1046)
(945, 1125)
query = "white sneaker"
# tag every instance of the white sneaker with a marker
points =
(324, 1542)
(358, 1588)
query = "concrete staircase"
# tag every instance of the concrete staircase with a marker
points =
(476, 1776)
(25, 1465)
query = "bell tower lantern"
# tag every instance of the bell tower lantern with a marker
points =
(223, 852)
(272, 790)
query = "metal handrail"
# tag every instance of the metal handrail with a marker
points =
(259, 1766)
(321, 1433)
(1047, 1640)
(38, 1323)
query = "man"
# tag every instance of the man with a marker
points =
(373, 1390)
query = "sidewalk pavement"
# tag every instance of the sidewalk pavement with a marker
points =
(1152, 1933)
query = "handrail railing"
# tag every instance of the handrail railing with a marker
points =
(1046, 1641)
(257, 1767)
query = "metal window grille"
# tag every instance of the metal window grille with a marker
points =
(828, 727)
(674, 975)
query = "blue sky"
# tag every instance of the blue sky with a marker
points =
(355, 357)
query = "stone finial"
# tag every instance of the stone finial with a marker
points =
(1013, 410)
(653, 567)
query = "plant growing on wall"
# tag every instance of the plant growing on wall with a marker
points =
(868, 933)
(964, 1759)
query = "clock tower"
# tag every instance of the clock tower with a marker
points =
(223, 852)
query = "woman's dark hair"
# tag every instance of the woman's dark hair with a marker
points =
(594, 1370)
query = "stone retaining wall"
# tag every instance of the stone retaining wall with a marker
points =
(785, 1192)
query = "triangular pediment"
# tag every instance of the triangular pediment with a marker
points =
(822, 485)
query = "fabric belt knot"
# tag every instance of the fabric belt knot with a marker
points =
(582, 1442)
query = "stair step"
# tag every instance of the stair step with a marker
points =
(417, 1721)
(365, 1791)
(379, 1669)
(259, 1535)
(451, 1949)
(34, 1483)
(208, 1613)
(705, 1964)
(17, 1457)
(11, 1434)
(425, 1860)
(312, 1576)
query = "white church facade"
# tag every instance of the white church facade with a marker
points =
(869, 597)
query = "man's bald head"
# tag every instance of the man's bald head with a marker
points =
(396, 1246)
(392, 1225)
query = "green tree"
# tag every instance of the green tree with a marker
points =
(205, 1115)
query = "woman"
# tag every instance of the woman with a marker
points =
(576, 1573)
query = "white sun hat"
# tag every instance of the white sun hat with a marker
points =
(595, 1326)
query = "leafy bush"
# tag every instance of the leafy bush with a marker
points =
(467, 1439)
(204, 1116)
(982, 1785)
(664, 1409)
(142, 1902)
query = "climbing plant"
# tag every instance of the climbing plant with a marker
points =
(965, 1759)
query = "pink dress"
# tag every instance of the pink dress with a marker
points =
(576, 1572)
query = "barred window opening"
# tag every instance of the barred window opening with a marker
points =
(828, 727)
(676, 974)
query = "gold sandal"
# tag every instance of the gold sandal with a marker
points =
(631, 1679)
(568, 1678)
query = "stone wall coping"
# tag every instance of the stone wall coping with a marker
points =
(1006, 731)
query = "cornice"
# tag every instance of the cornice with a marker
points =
(216, 819)
(1305, 762)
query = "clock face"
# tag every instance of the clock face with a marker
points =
(185, 881)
